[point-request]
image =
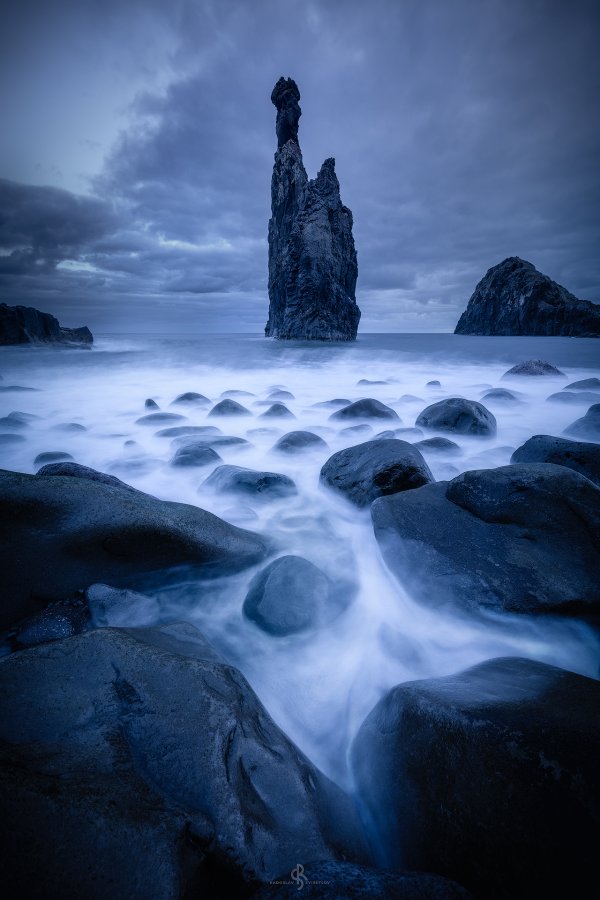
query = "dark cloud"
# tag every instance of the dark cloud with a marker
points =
(464, 132)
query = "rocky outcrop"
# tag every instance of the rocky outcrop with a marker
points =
(487, 777)
(513, 298)
(312, 258)
(26, 325)
(141, 766)
(542, 521)
(577, 455)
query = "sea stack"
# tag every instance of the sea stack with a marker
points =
(27, 325)
(312, 258)
(513, 298)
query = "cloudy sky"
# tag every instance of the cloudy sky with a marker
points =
(138, 140)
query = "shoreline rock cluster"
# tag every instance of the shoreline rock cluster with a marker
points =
(26, 325)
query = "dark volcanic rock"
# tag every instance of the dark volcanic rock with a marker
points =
(514, 298)
(438, 445)
(345, 881)
(577, 455)
(375, 469)
(588, 426)
(57, 621)
(521, 538)
(75, 470)
(59, 534)
(292, 595)
(26, 325)
(298, 441)
(139, 768)
(364, 409)
(535, 367)
(458, 415)
(265, 485)
(487, 777)
(312, 259)
(229, 407)
(196, 454)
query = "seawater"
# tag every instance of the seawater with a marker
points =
(318, 686)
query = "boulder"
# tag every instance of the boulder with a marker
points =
(292, 595)
(59, 620)
(489, 777)
(16, 420)
(26, 325)
(364, 409)
(191, 398)
(277, 411)
(60, 534)
(586, 384)
(12, 439)
(195, 454)
(281, 395)
(51, 456)
(331, 404)
(299, 441)
(535, 368)
(196, 430)
(577, 455)
(217, 440)
(574, 398)
(513, 298)
(229, 407)
(588, 426)
(261, 485)
(312, 258)
(140, 766)
(439, 446)
(365, 382)
(74, 470)
(69, 428)
(459, 416)
(523, 538)
(500, 395)
(375, 469)
(160, 418)
(151, 404)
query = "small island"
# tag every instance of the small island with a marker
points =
(27, 325)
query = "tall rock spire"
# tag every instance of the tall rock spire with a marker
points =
(312, 258)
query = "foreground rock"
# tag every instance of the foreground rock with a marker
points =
(522, 538)
(513, 298)
(75, 470)
(576, 455)
(459, 416)
(312, 259)
(487, 777)
(261, 485)
(341, 881)
(26, 325)
(588, 426)
(292, 595)
(62, 533)
(299, 442)
(138, 768)
(374, 469)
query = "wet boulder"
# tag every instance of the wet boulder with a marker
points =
(588, 426)
(261, 485)
(486, 777)
(229, 407)
(62, 533)
(196, 454)
(364, 409)
(141, 766)
(577, 455)
(439, 446)
(459, 416)
(181, 430)
(291, 595)
(574, 398)
(160, 418)
(535, 368)
(52, 456)
(500, 395)
(585, 384)
(75, 470)
(523, 538)
(151, 404)
(277, 411)
(299, 442)
(191, 398)
(375, 469)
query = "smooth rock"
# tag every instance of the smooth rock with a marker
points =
(588, 426)
(291, 595)
(196, 454)
(151, 404)
(299, 441)
(364, 409)
(488, 777)
(180, 430)
(438, 446)
(375, 469)
(138, 768)
(329, 404)
(586, 384)
(366, 381)
(500, 395)
(534, 367)
(16, 420)
(572, 398)
(356, 430)
(60, 534)
(237, 393)
(69, 428)
(159, 418)
(191, 398)
(75, 470)
(459, 416)
(435, 383)
(12, 439)
(312, 258)
(577, 455)
(52, 456)
(281, 395)
(263, 485)
(229, 407)
(523, 538)
(57, 621)
(277, 411)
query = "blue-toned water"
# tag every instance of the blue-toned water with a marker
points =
(317, 686)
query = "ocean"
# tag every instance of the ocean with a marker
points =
(318, 686)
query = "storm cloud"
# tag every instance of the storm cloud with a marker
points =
(463, 133)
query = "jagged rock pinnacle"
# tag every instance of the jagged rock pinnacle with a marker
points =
(285, 97)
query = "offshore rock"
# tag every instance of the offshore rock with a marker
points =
(513, 298)
(312, 258)
(26, 325)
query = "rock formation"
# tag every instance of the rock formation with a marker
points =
(26, 325)
(312, 259)
(513, 298)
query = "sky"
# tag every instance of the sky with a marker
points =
(138, 140)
